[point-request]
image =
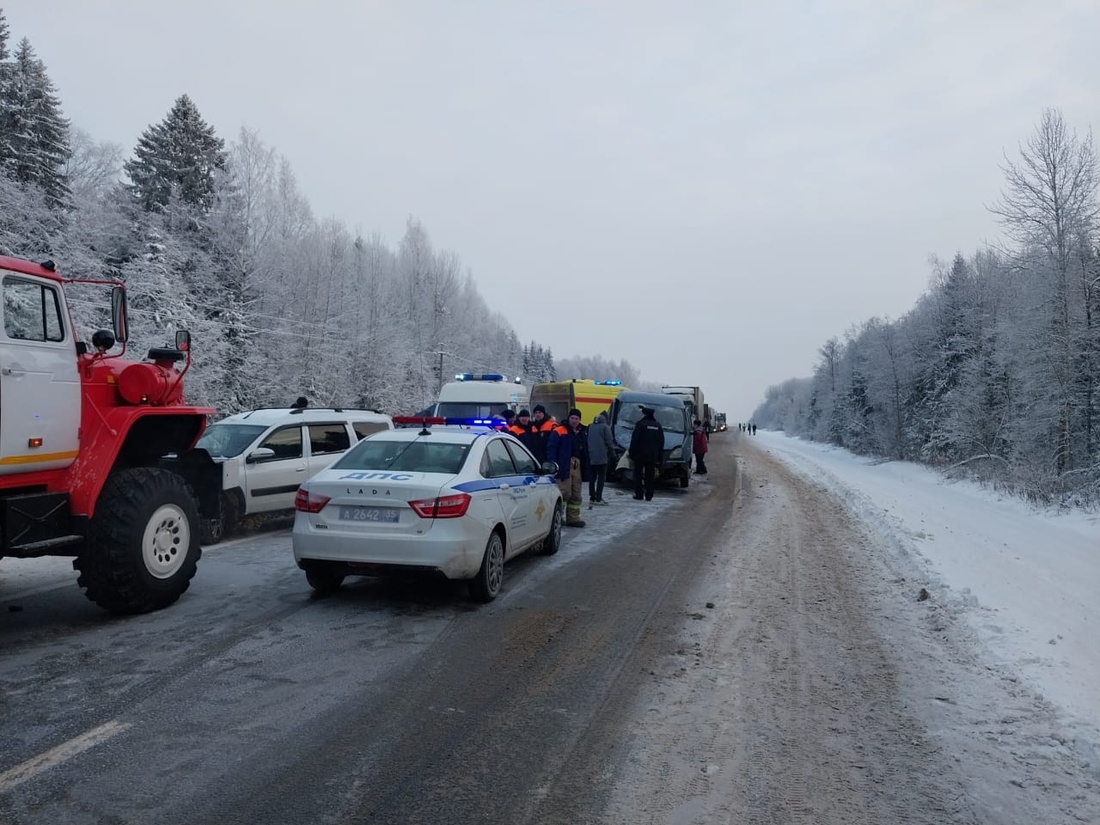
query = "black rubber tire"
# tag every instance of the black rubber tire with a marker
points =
(485, 586)
(324, 576)
(684, 480)
(227, 522)
(552, 543)
(143, 547)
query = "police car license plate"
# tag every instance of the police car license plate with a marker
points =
(352, 512)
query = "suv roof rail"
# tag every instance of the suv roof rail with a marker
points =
(299, 410)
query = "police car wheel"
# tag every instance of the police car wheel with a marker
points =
(324, 576)
(552, 543)
(485, 586)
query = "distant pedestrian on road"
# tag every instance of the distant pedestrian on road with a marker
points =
(601, 451)
(754, 429)
(646, 445)
(568, 446)
(699, 445)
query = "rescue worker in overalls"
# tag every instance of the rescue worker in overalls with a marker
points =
(568, 446)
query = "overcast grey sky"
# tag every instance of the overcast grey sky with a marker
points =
(709, 190)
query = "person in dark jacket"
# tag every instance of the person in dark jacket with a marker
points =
(601, 451)
(524, 430)
(543, 426)
(568, 446)
(700, 441)
(506, 416)
(646, 444)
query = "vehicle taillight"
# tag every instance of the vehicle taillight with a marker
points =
(308, 502)
(442, 507)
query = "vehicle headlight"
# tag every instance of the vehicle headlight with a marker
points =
(676, 452)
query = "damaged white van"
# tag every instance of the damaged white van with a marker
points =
(266, 454)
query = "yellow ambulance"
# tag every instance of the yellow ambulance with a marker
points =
(589, 396)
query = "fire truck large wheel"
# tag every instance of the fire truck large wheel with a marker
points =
(143, 542)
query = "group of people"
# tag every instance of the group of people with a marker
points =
(583, 453)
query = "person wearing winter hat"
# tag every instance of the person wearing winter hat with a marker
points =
(524, 430)
(646, 444)
(568, 447)
(601, 452)
(542, 427)
(522, 419)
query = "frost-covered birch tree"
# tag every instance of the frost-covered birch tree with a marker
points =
(1049, 205)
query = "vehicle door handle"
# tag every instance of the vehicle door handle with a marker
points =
(300, 470)
(504, 486)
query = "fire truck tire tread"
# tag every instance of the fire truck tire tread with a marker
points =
(143, 542)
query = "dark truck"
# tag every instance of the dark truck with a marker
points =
(673, 416)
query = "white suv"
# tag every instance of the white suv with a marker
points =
(265, 454)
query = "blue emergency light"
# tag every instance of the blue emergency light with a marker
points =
(610, 383)
(451, 421)
(484, 376)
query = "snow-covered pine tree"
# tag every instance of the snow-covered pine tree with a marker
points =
(35, 141)
(183, 153)
(5, 95)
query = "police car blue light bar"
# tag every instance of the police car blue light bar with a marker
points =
(610, 383)
(479, 376)
(452, 421)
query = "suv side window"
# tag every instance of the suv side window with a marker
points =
(525, 464)
(499, 461)
(32, 312)
(365, 428)
(328, 438)
(286, 442)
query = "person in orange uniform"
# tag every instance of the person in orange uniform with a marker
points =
(524, 430)
(543, 427)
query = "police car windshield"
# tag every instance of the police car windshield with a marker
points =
(670, 418)
(419, 456)
(468, 409)
(229, 440)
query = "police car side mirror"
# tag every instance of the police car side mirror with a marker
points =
(260, 454)
(549, 468)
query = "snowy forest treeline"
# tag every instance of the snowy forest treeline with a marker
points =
(997, 367)
(220, 240)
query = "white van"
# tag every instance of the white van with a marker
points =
(266, 454)
(479, 396)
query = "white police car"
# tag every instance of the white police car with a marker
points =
(456, 501)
